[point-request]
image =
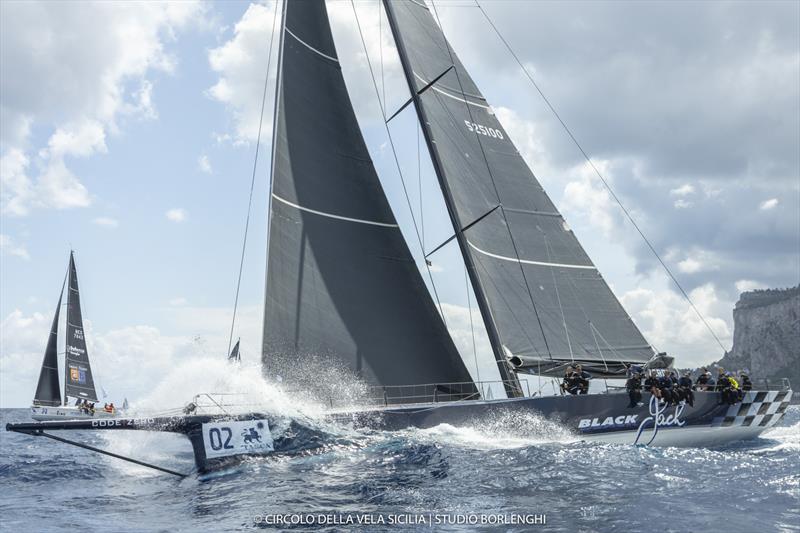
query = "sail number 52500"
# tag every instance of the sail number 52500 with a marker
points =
(483, 130)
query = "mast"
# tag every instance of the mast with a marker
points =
(47, 390)
(509, 377)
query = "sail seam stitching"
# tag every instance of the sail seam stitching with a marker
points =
(301, 41)
(337, 217)
(528, 261)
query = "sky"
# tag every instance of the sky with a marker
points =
(128, 133)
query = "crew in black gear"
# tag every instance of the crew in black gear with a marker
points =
(704, 380)
(684, 389)
(634, 388)
(565, 383)
(582, 379)
(666, 388)
(744, 381)
(651, 384)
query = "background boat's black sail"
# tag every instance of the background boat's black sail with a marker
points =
(342, 286)
(547, 301)
(78, 380)
(48, 390)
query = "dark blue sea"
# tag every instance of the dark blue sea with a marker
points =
(406, 479)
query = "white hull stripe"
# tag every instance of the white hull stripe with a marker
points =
(529, 262)
(301, 41)
(337, 217)
(420, 78)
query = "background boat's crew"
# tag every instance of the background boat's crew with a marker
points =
(77, 402)
(685, 388)
(582, 379)
(634, 388)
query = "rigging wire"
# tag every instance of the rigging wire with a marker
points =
(397, 160)
(471, 326)
(600, 175)
(253, 178)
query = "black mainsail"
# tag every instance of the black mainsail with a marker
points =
(543, 300)
(48, 390)
(78, 381)
(342, 285)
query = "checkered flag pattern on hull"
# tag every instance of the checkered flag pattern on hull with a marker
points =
(757, 408)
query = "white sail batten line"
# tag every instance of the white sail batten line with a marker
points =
(331, 215)
(454, 97)
(301, 41)
(528, 261)
(420, 4)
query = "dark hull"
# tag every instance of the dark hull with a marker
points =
(222, 440)
(605, 417)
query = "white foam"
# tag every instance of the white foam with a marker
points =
(504, 430)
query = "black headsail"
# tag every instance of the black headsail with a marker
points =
(543, 300)
(78, 382)
(342, 285)
(48, 390)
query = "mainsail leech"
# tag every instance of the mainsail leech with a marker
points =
(347, 295)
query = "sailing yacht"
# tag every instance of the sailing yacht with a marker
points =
(343, 288)
(48, 403)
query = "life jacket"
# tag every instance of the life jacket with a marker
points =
(734, 383)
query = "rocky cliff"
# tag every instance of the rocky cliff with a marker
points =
(766, 335)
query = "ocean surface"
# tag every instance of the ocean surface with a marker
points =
(404, 481)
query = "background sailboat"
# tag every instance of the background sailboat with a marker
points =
(79, 386)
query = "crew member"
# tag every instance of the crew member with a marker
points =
(703, 379)
(582, 379)
(634, 388)
(685, 388)
(566, 381)
(666, 387)
(747, 385)
(651, 384)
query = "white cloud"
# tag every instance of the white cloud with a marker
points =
(106, 222)
(670, 324)
(585, 196)
(16, 188)
(204, 164)
(176, 215)
(240, 63)
(744, 285)
(8, 246)
(766, 205)
(697, 260)
(682, 204)
(96, 59)
(177, 302)
(684, 190)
